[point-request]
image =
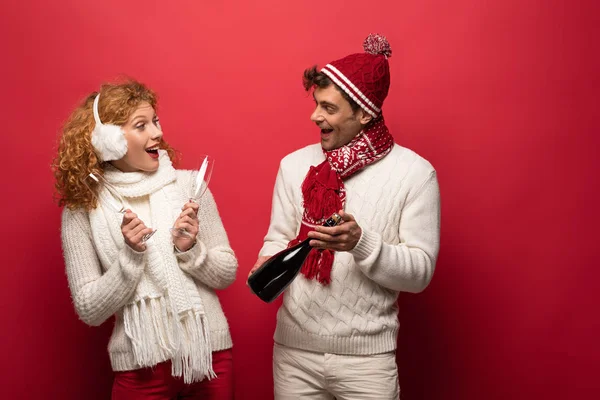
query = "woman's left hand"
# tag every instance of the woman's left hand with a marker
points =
(188, 220)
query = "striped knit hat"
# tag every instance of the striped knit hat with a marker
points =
(365, 77)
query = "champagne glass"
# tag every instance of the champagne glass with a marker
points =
(197, 187)
(112, 199)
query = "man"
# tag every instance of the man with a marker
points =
(337, 328)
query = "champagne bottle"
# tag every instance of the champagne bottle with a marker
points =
(278, 272)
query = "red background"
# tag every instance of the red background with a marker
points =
(499, 95)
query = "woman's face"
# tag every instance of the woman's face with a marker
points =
(143, 135)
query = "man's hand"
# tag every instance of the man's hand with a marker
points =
(261, 260)
(343, 237)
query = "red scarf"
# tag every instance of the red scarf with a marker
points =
(324, 193)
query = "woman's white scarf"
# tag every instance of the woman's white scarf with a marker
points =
(165, 318)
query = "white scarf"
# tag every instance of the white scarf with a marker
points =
(164, 291)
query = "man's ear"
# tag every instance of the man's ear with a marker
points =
(364, 117)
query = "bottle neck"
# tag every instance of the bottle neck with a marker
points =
(334, 220)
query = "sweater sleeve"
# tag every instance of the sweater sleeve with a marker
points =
(96, 295)
(408, 266)
(211, 260)
(284, 217)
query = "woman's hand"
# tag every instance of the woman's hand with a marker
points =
(133, 230)
(188, 220)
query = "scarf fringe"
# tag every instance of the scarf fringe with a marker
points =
(325, 266)
(324, 193)
(156, 336)
(310, 268)
(320, 191)
(157, 321)
(193, 361)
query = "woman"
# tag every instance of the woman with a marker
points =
(170, 337)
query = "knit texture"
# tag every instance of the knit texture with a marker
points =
(107, 277)
(324, 193)
(396, 203)
(365, 77)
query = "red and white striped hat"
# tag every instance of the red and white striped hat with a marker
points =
(365, 77)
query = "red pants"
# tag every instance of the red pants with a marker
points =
(157, 383)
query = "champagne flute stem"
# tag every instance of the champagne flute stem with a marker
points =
(147, 236)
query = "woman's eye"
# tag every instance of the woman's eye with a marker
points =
(140, 127)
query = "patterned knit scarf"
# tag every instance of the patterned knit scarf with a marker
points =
(165, 317)
(324, 193)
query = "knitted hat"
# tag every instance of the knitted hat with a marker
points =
(365, 77)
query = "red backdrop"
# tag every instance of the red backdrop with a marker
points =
(498, 95)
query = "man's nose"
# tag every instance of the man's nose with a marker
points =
(316, 116)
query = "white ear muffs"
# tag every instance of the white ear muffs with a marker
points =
(108, 140)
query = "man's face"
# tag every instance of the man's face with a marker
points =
(334, 116)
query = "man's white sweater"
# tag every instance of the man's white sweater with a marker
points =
(396, 203)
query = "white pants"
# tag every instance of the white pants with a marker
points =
(301, 374)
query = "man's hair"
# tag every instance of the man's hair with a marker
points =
(313, 78)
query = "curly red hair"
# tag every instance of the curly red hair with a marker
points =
(76, 158)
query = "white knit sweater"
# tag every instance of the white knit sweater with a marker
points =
(396, 203)
(99, 293)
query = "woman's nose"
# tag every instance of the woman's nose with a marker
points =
(156, 133)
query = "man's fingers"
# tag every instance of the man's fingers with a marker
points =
(261, 260)
(333, 231)
(335, 246)
(345, 216)
(324, 237)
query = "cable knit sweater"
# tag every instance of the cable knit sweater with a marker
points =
(396, 203)
(98, 293)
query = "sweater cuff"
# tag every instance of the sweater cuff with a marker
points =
(369, 243)
(195, 256)
(132, 262)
